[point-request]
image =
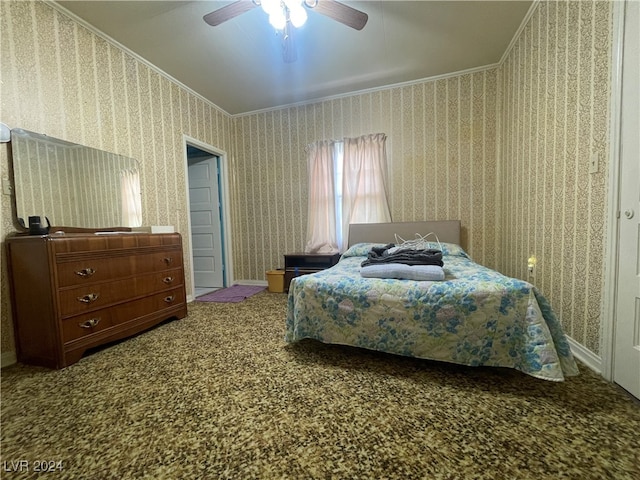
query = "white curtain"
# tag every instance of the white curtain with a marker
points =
(321, 224)
(364, 184)
(131, 200)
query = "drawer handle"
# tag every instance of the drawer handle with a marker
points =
(89, 298)
(169, 299)
(167, 280)
(168, 260)
(92, 322)
(85, 272)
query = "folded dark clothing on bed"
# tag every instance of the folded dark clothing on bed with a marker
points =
(379, 255)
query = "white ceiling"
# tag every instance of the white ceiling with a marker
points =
(238, 65)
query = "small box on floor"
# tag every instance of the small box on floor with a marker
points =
(275, 278)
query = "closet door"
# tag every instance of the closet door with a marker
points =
(626, 364)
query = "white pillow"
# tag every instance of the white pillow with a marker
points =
(403, 272)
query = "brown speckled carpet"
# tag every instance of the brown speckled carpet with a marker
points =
(220, 395)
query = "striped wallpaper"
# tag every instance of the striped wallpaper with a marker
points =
(504, 148)
(60, 79)
(555, 87)
(441, 149)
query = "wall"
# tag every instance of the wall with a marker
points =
(555, 86)
(60, 79)
(505, 150)
(441, 148)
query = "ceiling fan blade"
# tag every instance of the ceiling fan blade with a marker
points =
(342, 13)
(228, 12)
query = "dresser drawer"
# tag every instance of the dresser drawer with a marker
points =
(89, 270)
(100, 320)
(117, 242)
(76, 300)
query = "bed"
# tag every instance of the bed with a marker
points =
(475, 316)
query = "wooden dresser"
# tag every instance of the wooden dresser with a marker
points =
(73, 292)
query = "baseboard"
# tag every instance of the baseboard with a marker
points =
(586, 356)
(262, 283)
(8, 358)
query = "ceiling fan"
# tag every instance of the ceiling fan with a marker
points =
(284, 15)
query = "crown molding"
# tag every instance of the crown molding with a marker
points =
(164, 74)
(370, 90)
(516, 35)
(133, 54)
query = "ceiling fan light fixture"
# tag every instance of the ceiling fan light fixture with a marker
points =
(278, 20)
(270, 7)
(298, 16)
(288, 15)
(291, 4)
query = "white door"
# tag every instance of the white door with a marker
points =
(206, 235)
(626, 364)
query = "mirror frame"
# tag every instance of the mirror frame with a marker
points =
(79, 188)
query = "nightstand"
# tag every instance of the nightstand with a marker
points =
(296, 264)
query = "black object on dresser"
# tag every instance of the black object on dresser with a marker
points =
(296, 264)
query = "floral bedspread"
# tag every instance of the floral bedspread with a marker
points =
(476, 316)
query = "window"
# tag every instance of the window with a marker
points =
(347, 184)
(338, 156)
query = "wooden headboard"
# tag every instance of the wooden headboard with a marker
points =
(446, 230)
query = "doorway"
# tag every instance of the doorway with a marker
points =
(205, 215)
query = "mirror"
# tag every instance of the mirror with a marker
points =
(73, 185)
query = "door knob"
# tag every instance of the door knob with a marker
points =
(629, 213)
